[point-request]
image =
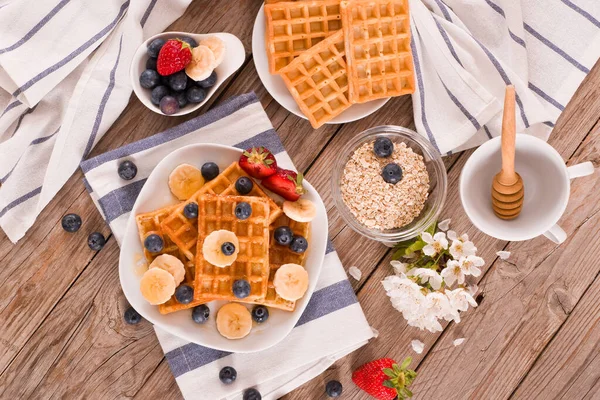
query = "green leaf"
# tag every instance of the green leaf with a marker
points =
(407, 392)
(389, 384)
(399, 253)
(416, 246)
(431, 229)
(396, 369)
(406, 363)
(389, 372)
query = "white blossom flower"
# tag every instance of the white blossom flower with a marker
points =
(470, 265)
(444, 225)
(438, 304)
(453, 273)
(425, 321)
(472, 289)
(453, 236)
(399, 267)
(462, 248)
(435, 243)
(428, 275)
(417, 346)
(460, 299)
(503, 254)
(355, 273)
(458, 342)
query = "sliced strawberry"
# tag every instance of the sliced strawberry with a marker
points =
(285, 183)
(173, 57)
(258, 162)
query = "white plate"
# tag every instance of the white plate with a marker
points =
(156, 194)
(278, 90)
(234, 58)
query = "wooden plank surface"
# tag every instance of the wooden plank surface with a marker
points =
(535, 334)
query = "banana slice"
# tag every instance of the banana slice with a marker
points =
(170, 264)
(212, 248)
(202, 64)
(217, 46)
(301, 210)
(185, 180)
(157, 286)
(234, 321)
(291, 281)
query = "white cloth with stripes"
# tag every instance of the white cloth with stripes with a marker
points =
(64, 80)
(467, 51)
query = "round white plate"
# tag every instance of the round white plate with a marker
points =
(277, 89)
(156, 194)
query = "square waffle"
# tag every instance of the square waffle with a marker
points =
(252, 262)
(296, 26)
(378, 54)
(318, 80)
(184, 232)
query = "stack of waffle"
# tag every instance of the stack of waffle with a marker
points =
(259, 255)
(332, 54)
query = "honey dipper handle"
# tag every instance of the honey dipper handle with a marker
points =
(509, 131)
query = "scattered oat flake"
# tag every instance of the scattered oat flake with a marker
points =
(458, 342)
(355, 273)
(375, 332)
(417, 346)
(503, 254)
(445, 224)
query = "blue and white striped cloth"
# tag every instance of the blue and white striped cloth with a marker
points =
(332, 324)
(466, 52)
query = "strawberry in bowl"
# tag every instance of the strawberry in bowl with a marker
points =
(286, 183)
(258, 162)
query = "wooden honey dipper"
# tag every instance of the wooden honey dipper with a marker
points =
(507, 187)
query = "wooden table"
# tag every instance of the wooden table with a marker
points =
(535, 334)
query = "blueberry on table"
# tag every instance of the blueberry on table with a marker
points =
(243, 210)
(131, 316)
(151, 63)
(96, 241)
(241, 288)
(71, 223)
(333, 389)
(153, 243)
(228, 248)
(200, 313)
(260, 314)
(299, 244)
(227, 375)
(208, 82)
(392, 173)
(252, 394)
(149, 79)
(383, 147)
(127, 170)
(155, 46)
(283, 235)
(177, 81)
(244, 185)
(184, 294)
(209, 171)
(158, 93)
(169, 105)
(195, 94)
(181, 99)
(189, 41)
(190, 210)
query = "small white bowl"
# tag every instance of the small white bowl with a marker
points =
(234, 58)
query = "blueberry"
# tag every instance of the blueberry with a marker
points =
(181, 99)
(190, 210)
(227, 375)
(243, 210)
(195, 94)
(228, 248)
(151, 63)
(149, 79)
(298, 244)
(383, 147)
(333, 389)
(131, 316)
(209, 171)
(200, 313)
(244, 185)
(71, 223)
(189, 41)
(392, 173)
(252, 394)
(169, 105)
(127, 170)
(177, 81)
(260, 314)
(96, 241)
(153, 243)
(184, 294)
(208, 82)
(241, 288)
(283, 235)
(155, 46)
(158, 93)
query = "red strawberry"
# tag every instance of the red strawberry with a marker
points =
(173, 57)
(384, 379)
(258, 162)
(285, 183)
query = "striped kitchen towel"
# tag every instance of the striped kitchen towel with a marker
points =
(64, 80)
(466, 51)
(332, 324)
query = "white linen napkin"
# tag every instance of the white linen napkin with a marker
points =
(64, 79)
(332, 324)
(466, 51)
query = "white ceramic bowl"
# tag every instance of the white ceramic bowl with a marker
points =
(276, 87)
(156, 194)
(234, 58)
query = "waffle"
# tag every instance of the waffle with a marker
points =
(252, 263)
(318, 81)
(296, 26)
(378, 54)
(184, 232)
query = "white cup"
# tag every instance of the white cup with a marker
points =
(547, 189)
